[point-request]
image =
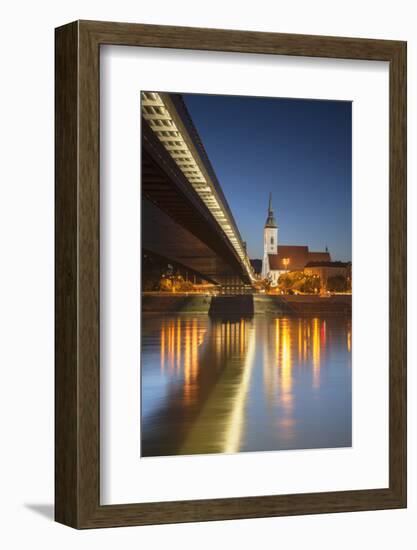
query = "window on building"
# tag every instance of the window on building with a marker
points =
(272, 240)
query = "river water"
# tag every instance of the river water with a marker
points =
(261, 384)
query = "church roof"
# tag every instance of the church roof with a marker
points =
(295, 258)
(319, 257)
(292, 249)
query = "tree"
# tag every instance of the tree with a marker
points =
(165, 284)
(337, 283)
(149, 283)
(299, 281)
(174, 283)
(311, 284)
(263, 284)
(290, 280)
(186, 286)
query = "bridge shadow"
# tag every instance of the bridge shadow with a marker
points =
(232, 307)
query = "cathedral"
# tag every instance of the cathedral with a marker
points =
(279, 258)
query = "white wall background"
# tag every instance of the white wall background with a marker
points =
(26, 272)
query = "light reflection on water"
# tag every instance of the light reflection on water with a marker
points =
(216, 386)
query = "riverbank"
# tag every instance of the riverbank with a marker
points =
(175, 303)
(247, 305)
(336, 304)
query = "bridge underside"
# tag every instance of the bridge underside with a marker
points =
(177, 227)
(165, 238)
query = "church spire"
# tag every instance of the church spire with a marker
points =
(270, 221)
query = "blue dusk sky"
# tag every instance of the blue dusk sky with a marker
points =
(300, 150)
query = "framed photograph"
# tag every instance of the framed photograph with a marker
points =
(230, 274)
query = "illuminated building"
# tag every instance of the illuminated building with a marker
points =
(278, 258)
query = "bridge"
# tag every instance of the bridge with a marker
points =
(185, 216)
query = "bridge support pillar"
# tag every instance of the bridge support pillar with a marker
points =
(233, 285)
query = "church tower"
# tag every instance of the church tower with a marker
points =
(270, 238)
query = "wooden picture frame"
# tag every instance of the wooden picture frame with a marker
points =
(77, 405)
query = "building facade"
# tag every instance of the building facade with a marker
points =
(278, 259)
(329, 270)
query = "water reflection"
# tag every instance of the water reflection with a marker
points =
(223, 386)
